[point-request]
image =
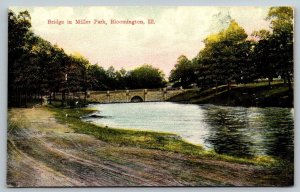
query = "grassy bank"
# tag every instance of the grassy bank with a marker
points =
(147, 139)
(50, 146)
(254, 94)
(144, 139)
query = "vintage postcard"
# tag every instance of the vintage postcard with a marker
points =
(150, 96)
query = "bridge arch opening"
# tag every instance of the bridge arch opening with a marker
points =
(136, 99)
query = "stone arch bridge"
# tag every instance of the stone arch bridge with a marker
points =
(137, 95)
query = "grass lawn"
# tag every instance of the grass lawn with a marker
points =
(147, 139)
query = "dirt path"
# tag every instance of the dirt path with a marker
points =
(46, 153)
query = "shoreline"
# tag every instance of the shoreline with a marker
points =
(249, 95)
(199, 149)
(60, 141)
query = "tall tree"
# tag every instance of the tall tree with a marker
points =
(224, 54)
(97, 78)
(146, 76)
(184, 72)
(282, 24)
(77, 74)
(263, 56)
(20, 43)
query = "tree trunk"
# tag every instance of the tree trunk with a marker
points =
(85, 96)
(289, 82)
(284, 78)
(50, 98)
(20, 97)
(216, 92)
(41, 98)
(63, 97)
(228, 85)
(26, 98)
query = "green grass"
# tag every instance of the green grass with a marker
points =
(260, 84)
(147, 139)
(195, 94)
(270, 92)
(121, 137)
(253, 94)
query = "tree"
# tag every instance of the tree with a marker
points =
(262, 56)
(98, 78)
(121, 79)
(146, 76)
(36, 67)
(56, 72)
(20, 43)
(273, 52)
(78, 79)
(223, 57)
(184, 72)
(281, 40)
(111, 80)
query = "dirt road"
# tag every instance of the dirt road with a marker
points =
(43, 152)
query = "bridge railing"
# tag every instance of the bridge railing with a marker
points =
(135, 90)
(119, 91)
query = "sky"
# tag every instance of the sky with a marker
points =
(177, 31)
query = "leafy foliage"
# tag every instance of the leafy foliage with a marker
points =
(184, 72)
(38, 69)
(146, 76)
(231, 56)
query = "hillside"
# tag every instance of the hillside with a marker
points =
(255, 94)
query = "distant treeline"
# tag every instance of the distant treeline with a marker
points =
(233, 56)
(37, 68)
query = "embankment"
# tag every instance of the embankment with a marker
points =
(50, 147)
(258, 95)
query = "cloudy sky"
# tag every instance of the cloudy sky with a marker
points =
(177, 31)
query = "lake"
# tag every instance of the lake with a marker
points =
(238, 131)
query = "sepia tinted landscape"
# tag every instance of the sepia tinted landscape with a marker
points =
(150, 96)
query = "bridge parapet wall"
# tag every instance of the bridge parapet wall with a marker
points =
(123, 96)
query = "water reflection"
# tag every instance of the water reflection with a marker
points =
(279, 133)
(238, 131)
(247, 132)
(227, 133)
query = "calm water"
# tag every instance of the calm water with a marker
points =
(235, 131)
